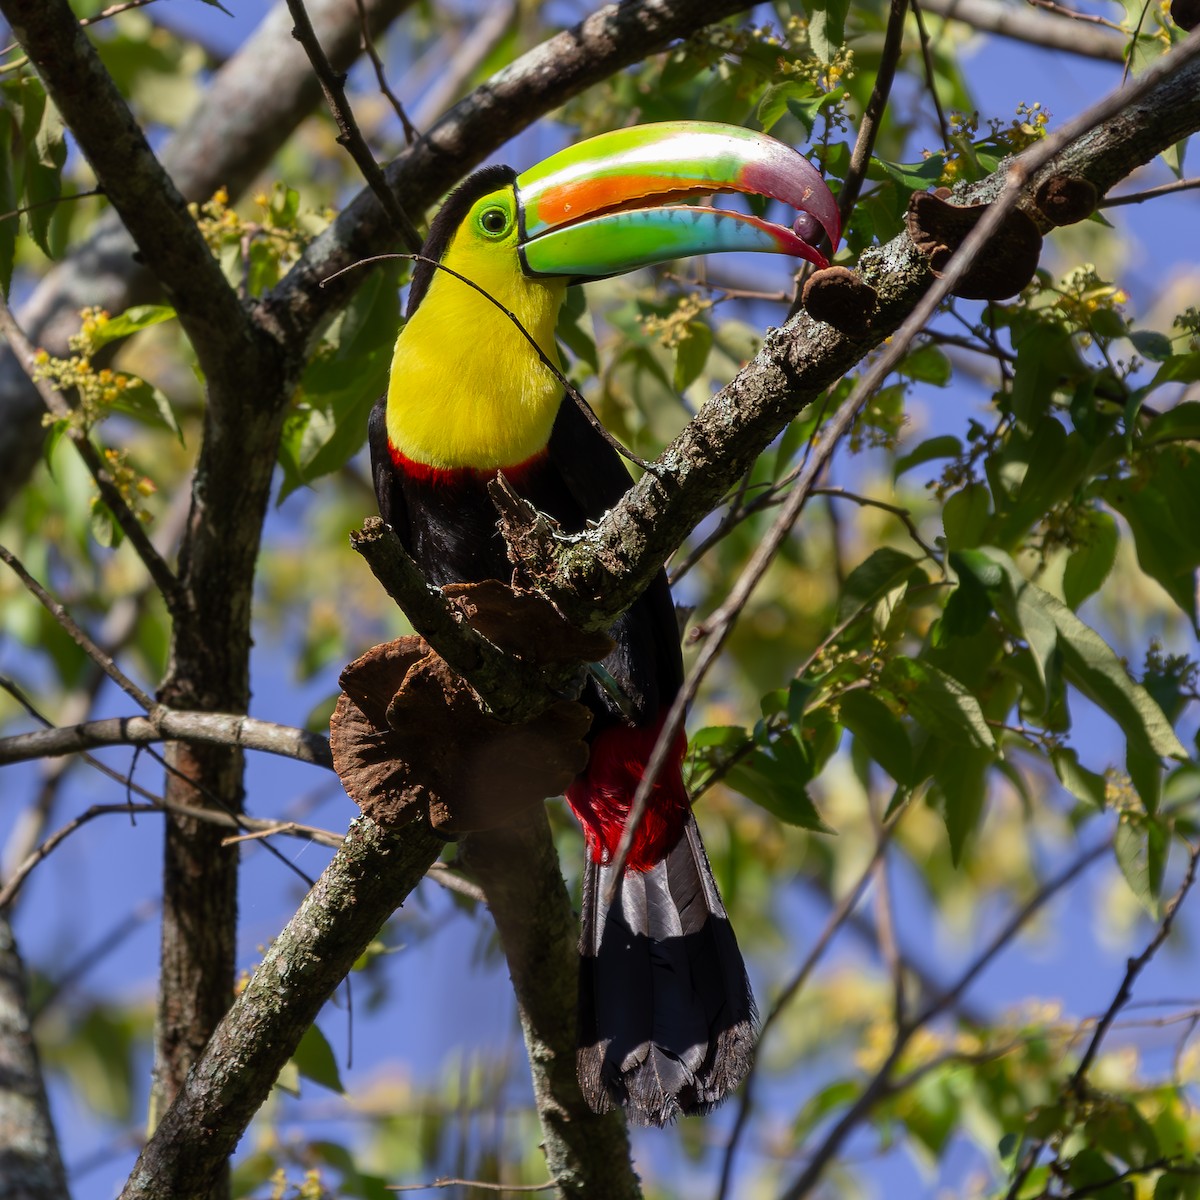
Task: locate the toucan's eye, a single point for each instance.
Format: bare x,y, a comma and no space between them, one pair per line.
494,221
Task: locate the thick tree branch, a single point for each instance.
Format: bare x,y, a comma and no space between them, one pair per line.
595,575
369,877
145,196
30,1165
1024,24
588,1154
254,103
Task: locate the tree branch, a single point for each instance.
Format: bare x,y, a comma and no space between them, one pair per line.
30,1164
254,103
368,878
349,136
138,187
1023,25
225,729
617,559
587,1153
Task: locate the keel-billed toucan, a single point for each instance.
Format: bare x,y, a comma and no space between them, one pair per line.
666,1014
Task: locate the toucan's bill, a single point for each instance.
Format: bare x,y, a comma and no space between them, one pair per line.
614,202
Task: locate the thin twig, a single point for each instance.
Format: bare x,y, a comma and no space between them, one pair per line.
76,634
868,129
1163,189
349,135
86,21
1077,1083
28,208
1061,10
930,73
877,1087
17,878
164,578
480,1184
368,43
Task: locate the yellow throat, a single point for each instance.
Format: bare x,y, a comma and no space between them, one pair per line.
466,388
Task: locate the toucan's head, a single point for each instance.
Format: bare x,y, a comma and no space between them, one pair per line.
467,389
615,202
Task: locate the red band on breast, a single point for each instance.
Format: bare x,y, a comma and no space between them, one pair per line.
457,476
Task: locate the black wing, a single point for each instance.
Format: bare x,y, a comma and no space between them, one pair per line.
388,491
648,662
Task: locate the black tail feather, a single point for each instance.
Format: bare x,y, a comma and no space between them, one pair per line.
666,1017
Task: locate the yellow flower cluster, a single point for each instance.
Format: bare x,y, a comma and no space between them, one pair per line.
673,328
96,390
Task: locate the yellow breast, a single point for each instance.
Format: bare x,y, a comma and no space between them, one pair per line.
467,389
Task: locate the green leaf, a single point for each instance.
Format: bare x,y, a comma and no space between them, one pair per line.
691,354
8,202
910,177
965,516
939,703
45,154
774,101
1141,845
969,604
880,572
131,321
961,780
340,384
1151,344
1178,424
806,110
879,731
314,1059
826,26
927,364
944,446
1087,662
572,334
774,778
1083,784
1179,368
149,405
1046,357
1162,506
1089,564
1089,1171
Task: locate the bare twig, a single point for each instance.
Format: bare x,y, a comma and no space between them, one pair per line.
877,1087
836,919
477,1184
1071,14
868,128
28,208
17,878
368,42
76,634
930,73
349,135
1163,189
